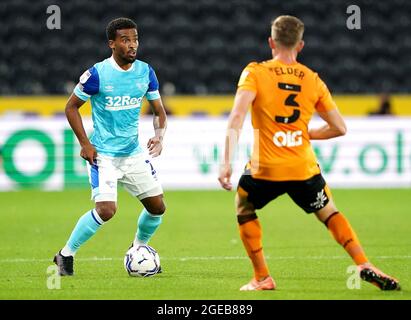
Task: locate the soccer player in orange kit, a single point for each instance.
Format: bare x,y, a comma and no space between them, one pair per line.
284,95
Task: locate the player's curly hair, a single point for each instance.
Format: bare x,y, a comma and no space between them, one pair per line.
119,24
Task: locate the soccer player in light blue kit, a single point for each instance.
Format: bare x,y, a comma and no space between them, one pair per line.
116,88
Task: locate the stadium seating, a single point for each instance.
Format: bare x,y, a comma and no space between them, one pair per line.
201,46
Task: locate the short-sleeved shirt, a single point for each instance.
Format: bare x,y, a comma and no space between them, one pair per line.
116,97
287,95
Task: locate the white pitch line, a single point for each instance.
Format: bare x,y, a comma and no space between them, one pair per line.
22,260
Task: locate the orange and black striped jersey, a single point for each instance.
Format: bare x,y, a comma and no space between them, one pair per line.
287,96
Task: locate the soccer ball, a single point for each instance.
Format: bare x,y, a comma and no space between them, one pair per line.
142,261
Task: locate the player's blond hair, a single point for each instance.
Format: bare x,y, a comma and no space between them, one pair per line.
287,31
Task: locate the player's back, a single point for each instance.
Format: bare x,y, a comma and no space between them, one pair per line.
287,96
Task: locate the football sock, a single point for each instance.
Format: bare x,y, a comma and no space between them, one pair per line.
343,233
85,228
251,235
146,226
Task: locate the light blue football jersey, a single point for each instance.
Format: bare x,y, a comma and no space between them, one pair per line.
116,96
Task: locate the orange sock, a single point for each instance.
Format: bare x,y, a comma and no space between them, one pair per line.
251,234
343,233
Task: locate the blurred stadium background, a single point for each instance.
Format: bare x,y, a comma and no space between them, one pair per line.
198,49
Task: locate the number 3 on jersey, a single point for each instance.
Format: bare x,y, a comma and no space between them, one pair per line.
289,102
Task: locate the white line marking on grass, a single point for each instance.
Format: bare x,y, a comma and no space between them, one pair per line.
205,258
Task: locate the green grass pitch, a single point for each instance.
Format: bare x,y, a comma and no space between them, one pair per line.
201,253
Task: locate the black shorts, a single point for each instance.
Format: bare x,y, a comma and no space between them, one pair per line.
311,195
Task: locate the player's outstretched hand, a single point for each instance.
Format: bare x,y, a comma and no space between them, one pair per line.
89,153
155,146
225,176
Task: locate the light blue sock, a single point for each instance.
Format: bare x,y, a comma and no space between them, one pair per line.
146,226
85,228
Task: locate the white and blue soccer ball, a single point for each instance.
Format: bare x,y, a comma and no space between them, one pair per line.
142,261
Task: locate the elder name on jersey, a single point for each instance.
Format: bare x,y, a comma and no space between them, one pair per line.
279,71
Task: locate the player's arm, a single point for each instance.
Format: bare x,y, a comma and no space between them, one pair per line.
242,101
155,144
328,111
87,86
334,127
88,152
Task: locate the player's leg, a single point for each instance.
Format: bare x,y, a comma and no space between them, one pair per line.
344,234
140,180
150,218
87,226
251,236
105,196
313,195
341,230
251,232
